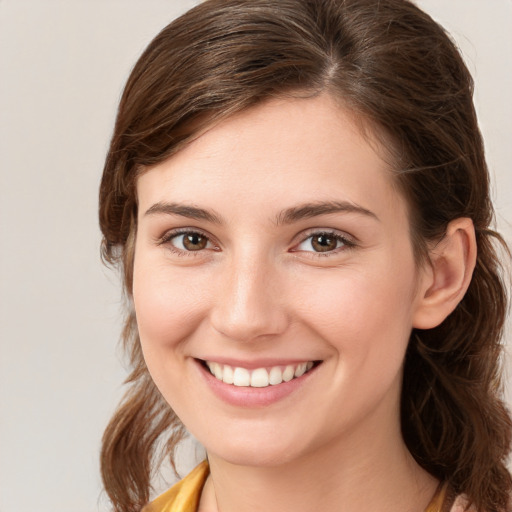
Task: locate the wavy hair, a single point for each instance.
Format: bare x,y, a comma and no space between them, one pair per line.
399,72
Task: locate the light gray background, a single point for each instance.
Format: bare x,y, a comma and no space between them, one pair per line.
62,67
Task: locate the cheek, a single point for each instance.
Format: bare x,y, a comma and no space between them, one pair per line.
168,307
367,313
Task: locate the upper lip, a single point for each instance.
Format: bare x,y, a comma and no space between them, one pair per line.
256,363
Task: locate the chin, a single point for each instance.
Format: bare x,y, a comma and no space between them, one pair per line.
257,451
253,458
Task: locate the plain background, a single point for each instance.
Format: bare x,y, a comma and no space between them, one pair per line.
62,67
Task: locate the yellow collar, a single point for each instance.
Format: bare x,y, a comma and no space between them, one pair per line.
184,496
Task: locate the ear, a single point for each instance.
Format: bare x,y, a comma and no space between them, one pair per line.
446,278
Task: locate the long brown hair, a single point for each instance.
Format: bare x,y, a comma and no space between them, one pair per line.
393,66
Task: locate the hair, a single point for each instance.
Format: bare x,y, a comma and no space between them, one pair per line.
396,69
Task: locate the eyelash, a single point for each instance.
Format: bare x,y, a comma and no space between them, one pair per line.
170,235
348,242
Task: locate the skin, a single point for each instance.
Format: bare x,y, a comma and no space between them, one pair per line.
258,290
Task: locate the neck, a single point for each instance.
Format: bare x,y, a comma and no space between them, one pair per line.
362,471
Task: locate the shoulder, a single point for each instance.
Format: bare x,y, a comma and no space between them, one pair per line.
461,505
183,496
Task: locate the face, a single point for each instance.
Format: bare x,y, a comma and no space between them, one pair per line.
274,283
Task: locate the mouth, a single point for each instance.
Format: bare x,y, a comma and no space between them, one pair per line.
258,377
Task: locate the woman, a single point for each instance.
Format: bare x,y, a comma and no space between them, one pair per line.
298,197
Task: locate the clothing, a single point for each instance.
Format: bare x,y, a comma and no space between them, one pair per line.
184,496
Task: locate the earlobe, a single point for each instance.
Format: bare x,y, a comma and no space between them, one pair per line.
452,261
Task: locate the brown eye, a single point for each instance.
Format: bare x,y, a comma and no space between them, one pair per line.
324,243
188,241
194,241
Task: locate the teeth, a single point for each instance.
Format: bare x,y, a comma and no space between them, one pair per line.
217,371
300,370
241,377
228,375
275,376
260,377
289,373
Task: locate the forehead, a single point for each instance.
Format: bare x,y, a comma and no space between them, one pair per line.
282,151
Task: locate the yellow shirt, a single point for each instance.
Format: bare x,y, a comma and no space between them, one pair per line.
184,496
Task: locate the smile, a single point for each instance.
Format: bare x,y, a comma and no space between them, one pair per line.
259,377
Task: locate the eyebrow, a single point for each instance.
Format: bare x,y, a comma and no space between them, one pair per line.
191,212
288,216
310,210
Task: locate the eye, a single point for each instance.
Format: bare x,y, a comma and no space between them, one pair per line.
324,242
188,241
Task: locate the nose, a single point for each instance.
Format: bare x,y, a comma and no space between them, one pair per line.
250,300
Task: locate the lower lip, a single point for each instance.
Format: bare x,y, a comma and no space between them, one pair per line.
246,396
